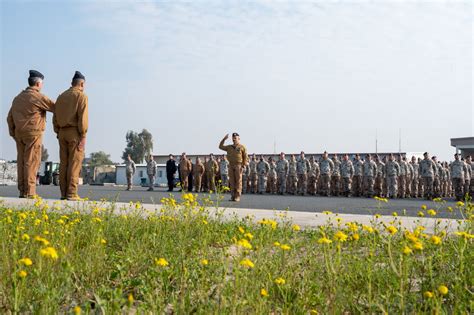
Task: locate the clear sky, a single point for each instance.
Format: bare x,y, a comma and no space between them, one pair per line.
309,76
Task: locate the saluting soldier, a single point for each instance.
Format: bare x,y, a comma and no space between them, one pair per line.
237,156
71,122
26,123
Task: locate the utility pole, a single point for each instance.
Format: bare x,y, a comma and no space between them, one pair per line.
376,141
400,140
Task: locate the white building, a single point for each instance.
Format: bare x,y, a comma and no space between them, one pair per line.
140,177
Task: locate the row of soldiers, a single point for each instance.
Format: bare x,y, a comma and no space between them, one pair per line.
389,176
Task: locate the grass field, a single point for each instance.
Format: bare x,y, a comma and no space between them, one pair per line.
181,260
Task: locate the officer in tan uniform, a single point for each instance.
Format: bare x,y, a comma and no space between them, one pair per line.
70,122
26,123
185,168
198,171
237,156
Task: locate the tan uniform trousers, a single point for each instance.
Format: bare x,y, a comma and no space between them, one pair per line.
197,182
235,180
184,180
357,186
70,161
28,161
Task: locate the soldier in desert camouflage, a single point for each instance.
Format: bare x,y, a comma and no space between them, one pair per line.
292,175
272,177
415,179
253,178
282,172
313,176
357,179
347,172
262,170
458,173
302,169
428,171
379,177
336,176
326,167
392,171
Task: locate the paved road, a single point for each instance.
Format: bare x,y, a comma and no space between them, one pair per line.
276,202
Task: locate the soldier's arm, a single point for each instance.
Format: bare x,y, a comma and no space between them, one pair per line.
11,124
134,167
46,104
83,116
245,157
222,146
55,123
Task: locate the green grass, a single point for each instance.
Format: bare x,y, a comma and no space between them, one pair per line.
111,262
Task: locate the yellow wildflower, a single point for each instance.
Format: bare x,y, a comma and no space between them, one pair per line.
248,235
460,204
340,236
25,261
355,237
22,274
280,281
418,245
244,243
428,294
435,240
277,244
130,299
263,292
324,240
204,262
394,214
424,207
368,228
431,212
285,247
241,230
296,227
247,263
327,212
49,252
77,310
407,250
161,262
443,290
25,237
103,242
391,229
421,214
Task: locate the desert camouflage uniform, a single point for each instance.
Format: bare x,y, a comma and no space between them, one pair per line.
370,170
379,178
443,177
262,170
428,170
282,172
458,173
409,180
326,167
272,178
467,179
245,179
392,170
224,171
336,178
211,169
357,179
253,176
347,172
415,180
302,169
402,178
313,177
292,177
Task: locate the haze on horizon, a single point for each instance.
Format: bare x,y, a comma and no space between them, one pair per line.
309,76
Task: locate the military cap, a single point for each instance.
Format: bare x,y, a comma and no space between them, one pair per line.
36,74
235,134
78,76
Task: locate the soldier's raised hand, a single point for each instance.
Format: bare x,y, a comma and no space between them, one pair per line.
226,137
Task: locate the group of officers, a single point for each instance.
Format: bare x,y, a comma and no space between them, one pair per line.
27,122
390,176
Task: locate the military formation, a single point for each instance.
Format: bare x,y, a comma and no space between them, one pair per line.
388,176
27,122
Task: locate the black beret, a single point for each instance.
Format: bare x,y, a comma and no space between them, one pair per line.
36,74
235,134
78,75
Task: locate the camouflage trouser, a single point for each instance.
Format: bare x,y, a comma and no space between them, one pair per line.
292,182
271,185
428,187
325,184
414,187
369,186
312,184
471,187
281,183
262,182
253,182
302,181
378,186
436,187
467,184
402,186
224,180
357,186
211,182
245,184
408,186
197,182
444,188
458,184
392,186
421,187
384,188
335,185
346,186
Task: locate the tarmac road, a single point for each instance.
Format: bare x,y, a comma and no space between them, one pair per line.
273,202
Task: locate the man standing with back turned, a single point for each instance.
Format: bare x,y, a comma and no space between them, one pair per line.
70,122
237,156
26,122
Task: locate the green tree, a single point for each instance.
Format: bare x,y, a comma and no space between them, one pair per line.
44,154
99,158
139,145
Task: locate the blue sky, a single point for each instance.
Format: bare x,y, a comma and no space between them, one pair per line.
310,76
